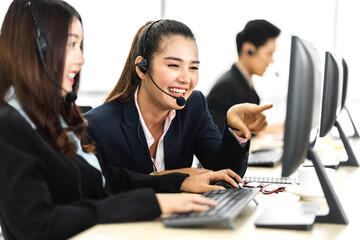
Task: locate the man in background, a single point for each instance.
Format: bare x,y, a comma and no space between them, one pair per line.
256,44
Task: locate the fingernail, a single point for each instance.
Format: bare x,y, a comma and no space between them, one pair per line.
205,207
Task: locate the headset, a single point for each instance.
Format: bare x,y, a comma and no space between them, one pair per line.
41,45
180,101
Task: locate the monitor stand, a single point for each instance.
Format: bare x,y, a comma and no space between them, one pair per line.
336,213
297,216
356,133
301,216
352,160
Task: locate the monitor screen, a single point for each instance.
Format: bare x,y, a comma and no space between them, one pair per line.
303,104
332,92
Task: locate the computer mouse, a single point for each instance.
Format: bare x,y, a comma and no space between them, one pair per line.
224,184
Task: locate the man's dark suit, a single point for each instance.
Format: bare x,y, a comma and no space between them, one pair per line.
120,141
231,88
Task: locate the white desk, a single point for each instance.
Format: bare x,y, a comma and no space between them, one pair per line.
347,180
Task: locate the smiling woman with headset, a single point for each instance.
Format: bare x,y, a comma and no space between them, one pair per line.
52,185
154,122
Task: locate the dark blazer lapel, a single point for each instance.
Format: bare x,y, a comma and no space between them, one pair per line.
136,138
240,78
236,72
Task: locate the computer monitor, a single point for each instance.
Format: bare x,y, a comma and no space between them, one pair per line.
301,130
333,101
303,104
343,99
332,91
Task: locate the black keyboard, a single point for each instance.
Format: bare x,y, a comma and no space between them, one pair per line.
265,158
230,202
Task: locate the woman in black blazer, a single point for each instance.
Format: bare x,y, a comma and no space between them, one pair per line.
154,117
52,186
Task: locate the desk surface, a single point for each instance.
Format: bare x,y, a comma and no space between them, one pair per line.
345,185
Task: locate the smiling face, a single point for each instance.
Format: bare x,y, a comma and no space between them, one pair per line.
74,56
174,69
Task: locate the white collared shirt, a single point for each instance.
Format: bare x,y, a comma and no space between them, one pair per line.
159,160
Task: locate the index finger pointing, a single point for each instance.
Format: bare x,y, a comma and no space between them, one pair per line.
263,108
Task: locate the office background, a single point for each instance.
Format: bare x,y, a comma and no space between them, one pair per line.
109,26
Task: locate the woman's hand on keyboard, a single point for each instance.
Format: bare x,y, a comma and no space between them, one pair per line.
202,183
191,171
184,203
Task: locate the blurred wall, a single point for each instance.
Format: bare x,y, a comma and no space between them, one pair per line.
109,26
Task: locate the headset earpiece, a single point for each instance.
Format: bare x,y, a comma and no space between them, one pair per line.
142,65
250,52
41,45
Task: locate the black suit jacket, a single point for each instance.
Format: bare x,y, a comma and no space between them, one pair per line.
230,89
116,130
47,195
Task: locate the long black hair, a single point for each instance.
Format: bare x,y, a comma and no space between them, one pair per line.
21,68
